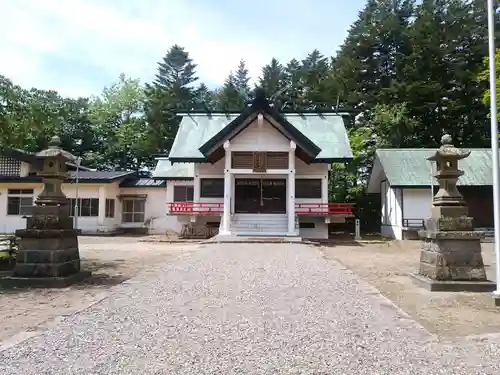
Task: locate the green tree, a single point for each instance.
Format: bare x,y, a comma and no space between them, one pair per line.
235,92
119,122
172,91
272,80
241,79
484,77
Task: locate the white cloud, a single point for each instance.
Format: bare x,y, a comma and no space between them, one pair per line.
113,37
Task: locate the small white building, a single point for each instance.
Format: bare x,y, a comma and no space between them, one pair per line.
403,178
259,172
107,201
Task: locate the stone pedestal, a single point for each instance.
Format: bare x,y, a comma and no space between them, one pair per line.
48,255
451,258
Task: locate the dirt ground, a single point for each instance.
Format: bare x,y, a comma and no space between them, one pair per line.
112,260
449,315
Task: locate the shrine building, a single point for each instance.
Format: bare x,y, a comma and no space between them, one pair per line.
261,172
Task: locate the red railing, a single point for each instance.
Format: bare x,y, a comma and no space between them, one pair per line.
195,208
324,208
204,208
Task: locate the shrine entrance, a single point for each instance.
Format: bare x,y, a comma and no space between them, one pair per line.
252,195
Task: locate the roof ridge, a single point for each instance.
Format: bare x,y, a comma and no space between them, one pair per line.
429,148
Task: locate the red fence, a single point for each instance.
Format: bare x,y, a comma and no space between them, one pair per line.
204,208
324,208
196,208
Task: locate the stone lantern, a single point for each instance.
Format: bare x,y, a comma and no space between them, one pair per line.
451,258
448,201
48,253
53,172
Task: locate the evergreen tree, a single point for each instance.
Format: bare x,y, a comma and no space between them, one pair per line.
229,97
295,90
204,98
273,81
176,73
316,81
241,79
171,91
369,63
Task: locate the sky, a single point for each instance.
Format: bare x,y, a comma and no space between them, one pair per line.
77,47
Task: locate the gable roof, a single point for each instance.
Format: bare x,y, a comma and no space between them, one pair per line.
410,168
166,170
261,105
323,134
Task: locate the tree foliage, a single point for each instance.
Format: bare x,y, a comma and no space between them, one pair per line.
413,70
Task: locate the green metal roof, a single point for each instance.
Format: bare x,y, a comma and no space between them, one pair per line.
327,131
410,167
179,171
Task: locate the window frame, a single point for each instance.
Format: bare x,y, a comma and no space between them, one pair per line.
92,204
215,193
134,213
110,209
316,192
23,209
185,197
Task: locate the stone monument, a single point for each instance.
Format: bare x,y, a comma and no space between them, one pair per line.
48,253
451,258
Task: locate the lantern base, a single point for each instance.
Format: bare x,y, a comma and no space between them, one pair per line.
452,286
43,282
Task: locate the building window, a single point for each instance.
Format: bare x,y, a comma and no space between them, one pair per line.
87,207
212,188
308,188
19,201
110,208
133,210
183,193
277,160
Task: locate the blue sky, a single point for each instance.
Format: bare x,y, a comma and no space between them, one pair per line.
80,46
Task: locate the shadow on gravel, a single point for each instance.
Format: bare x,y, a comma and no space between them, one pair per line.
95,265
101,280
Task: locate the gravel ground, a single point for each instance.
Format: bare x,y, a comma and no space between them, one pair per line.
112,260
245,309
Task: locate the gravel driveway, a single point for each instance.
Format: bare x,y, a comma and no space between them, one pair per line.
244,309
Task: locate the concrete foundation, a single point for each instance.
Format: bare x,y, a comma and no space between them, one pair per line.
453,286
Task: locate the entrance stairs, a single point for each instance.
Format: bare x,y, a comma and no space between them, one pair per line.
259,224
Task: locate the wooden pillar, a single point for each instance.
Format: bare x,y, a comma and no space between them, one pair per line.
226,229
291,190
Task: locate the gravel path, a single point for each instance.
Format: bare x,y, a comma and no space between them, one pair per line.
244,309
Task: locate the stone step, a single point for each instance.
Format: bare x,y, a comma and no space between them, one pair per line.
265,224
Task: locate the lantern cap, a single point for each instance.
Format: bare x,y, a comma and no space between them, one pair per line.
448,150
55,151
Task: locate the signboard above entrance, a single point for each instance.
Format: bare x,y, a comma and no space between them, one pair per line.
259,162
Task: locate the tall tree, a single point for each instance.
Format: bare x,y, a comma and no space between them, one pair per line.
369,63
448,49
229,98
171,91
241,79
235,93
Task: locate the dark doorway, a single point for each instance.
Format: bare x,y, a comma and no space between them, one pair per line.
260,196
